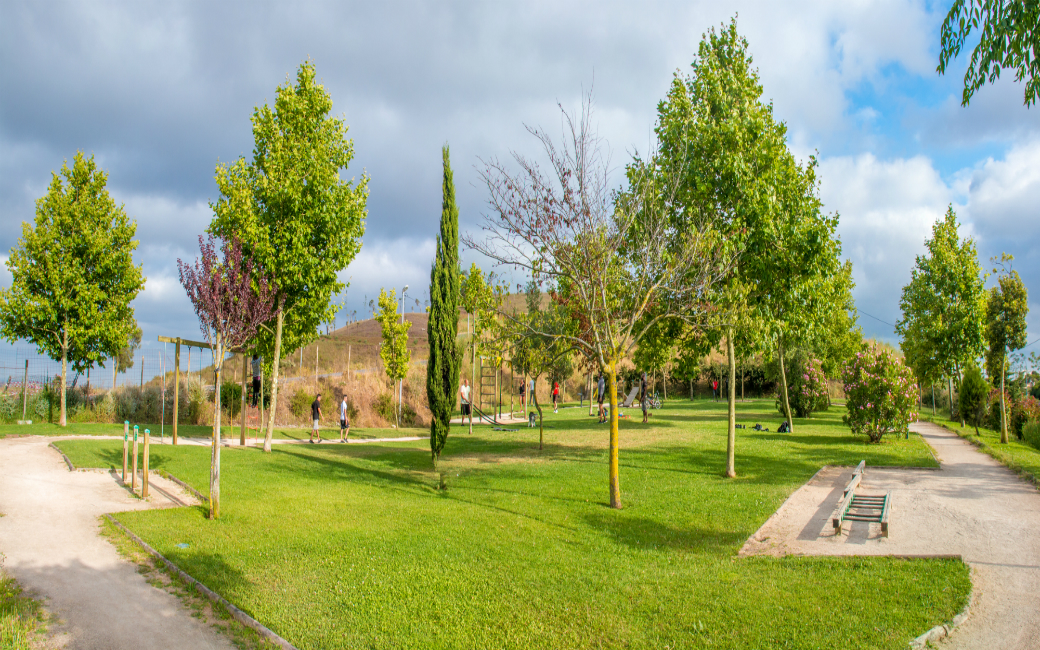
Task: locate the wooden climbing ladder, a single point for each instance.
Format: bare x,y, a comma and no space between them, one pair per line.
861,507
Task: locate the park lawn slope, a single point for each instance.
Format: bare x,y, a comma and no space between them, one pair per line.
354,546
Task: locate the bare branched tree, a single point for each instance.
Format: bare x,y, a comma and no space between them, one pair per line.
617,259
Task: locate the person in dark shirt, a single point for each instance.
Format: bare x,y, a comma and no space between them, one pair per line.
644,398
316,416
601,393
256,379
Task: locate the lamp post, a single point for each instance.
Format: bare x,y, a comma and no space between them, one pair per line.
400,382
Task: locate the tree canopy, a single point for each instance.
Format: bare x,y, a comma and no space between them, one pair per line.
73,274
1006,308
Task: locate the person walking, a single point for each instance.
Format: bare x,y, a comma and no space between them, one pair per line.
601,392
316,416
556,397
344,420
256,378
464,403
715,389
644,399
523,395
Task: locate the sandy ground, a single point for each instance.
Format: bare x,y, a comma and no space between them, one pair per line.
50,537
972,506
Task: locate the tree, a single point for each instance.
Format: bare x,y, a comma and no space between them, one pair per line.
123,360
481,295
973,392
608,257
73,274
1010,38
1006,309
393,350
445,361
232,296
941,330
294,215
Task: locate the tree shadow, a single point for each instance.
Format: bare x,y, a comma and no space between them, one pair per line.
646,534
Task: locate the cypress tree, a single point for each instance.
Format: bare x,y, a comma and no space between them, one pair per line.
442,369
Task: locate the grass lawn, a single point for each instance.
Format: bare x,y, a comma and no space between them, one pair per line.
1016,454
354,546
22,619
194,431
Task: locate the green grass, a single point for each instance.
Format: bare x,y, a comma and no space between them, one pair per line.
193,431
354,546
1017,455
22,619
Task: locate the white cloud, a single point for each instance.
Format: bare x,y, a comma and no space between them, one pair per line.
1004,195
389,264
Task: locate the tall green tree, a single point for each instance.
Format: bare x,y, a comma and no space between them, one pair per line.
293,213
73,274
1006,308
393,349
445,361
1009,37
943,306
481,296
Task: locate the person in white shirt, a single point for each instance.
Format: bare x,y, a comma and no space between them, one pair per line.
464,402
344,420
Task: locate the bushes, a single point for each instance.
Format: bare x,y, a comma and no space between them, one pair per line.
1031,433
231,397
880,394
973,398
386,406
806,389
300,402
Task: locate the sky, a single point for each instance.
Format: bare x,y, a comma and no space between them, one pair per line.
160,92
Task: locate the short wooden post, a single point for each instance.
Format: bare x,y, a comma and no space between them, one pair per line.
126,436
176,386
133,479
245,373
144,474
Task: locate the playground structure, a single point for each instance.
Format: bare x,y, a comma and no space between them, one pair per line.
861,507
133,470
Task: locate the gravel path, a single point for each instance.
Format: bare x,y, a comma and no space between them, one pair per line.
972,506
50,537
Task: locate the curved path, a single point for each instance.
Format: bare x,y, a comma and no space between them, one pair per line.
50,536
972,506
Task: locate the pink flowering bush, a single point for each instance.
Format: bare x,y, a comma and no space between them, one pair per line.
806,389
880,394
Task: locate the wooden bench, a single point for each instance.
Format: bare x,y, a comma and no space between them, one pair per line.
861,507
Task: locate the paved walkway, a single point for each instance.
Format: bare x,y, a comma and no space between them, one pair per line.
50,537
973,506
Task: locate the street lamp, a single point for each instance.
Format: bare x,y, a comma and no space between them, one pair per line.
400,382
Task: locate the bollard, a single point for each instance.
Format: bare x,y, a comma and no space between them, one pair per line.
144,476
133,484
126,436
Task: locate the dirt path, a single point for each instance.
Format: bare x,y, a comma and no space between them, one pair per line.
972,506
50,537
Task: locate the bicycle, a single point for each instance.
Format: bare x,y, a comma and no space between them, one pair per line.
655,401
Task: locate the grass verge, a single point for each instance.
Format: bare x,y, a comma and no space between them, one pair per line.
23,621
194,431
354,546
1018,455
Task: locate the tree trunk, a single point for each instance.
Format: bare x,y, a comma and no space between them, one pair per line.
612,472
1004,408
214,466
591,393
933,399
64,373
473,379
731,436
950,390
274,380
783,384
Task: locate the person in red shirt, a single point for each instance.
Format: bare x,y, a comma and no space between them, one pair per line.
715,389
556,396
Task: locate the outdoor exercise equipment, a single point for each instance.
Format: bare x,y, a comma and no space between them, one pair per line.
126,436
133,481
144,474
861,507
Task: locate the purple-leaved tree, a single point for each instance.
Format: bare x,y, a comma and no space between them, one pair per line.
233,298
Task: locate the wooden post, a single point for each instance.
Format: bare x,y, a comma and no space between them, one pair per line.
133,480
176,387
25,390
126,437
245,373
144,474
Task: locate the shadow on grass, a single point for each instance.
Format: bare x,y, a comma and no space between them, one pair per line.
645,533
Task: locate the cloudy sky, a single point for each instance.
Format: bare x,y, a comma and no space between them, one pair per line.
159,92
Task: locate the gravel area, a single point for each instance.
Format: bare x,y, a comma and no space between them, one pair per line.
972,506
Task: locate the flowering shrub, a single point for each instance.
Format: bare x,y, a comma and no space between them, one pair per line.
880,394
1025,409
806,389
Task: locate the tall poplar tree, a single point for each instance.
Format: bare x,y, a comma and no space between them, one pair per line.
1006,308
73,274
444,364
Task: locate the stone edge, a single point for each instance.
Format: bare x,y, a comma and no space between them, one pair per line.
237,613
72,468
198,495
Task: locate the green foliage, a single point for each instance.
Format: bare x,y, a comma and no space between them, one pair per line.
1031,433
73,274
943,306
973,400
300,402
880,394
1023,410
231,397
386,406
393,350
444,363
23,620
1005,332
124,358
1009,38
808,387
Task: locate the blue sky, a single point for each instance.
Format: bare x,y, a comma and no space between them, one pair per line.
160,91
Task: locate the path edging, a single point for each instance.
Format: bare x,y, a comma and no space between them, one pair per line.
237,613
198,495
72,468
940,632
